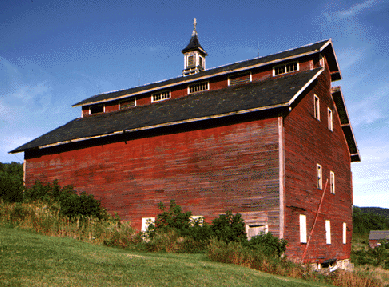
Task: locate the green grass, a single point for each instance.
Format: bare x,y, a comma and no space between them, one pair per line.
28,259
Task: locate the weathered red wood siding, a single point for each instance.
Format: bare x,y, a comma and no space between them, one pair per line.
309,142
206,169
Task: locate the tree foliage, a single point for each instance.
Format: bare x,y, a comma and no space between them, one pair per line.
364,222
11,182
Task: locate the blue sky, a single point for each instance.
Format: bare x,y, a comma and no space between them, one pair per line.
54,54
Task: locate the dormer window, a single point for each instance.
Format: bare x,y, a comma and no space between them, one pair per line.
238,79
128,103
160,96
198,87
96,109
285,68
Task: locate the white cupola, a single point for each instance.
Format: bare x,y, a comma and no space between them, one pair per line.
194,55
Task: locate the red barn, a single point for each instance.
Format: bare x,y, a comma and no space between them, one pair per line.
269,138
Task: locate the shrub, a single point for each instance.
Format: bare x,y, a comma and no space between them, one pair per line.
268,244
228,227
11,182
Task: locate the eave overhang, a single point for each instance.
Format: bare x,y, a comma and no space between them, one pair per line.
345,124
275,95
326,49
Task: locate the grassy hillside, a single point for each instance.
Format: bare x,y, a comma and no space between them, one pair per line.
29,259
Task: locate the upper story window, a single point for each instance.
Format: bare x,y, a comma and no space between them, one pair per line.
96,109
239,79
316,107
198,87
330,120
303,228
160,96
332,182
285,68
319,177
128,103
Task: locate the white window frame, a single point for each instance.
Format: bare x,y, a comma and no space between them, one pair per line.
285,68
316,107
303,228
332,182
163,96
146,221
120,103
198,218
344,233
328,231
319,175
330,120
199,83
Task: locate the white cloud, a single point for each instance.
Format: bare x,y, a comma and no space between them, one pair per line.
356,9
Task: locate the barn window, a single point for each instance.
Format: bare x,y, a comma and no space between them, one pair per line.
201,61
160,96
146,221
303,228
96,109
285,68
198,87
344,232
319,177
316,107
332,182
330,120
239,79
128,103
328,231
255,230
196,219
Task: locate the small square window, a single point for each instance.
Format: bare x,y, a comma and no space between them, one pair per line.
319,177
146,221
316,107
330,120
332,182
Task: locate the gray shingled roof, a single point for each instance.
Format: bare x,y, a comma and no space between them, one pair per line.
293,53
379,234
274,92
193,45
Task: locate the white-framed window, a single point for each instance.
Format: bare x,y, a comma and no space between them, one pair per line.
285,68
96,109
196,218
127,103
146,221
344,233
201,62
319,176
328,231
160,96
316,107
332,182
303,228
256,229
330,120
198,87
239,79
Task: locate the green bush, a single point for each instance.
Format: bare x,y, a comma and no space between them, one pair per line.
228,227
268,244
11,182
70,203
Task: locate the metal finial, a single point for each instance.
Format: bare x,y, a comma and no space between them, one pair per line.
194,27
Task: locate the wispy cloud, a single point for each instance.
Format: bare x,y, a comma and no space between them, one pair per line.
356,9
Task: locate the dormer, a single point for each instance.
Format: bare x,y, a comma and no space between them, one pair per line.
194,55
